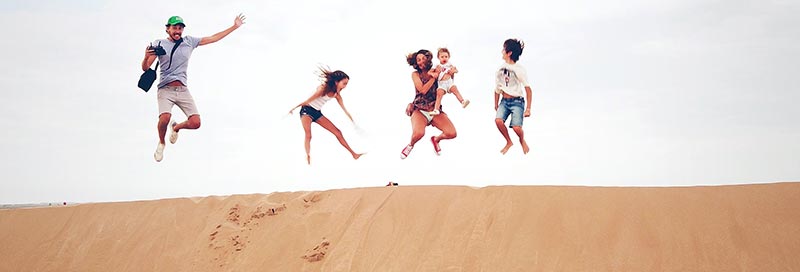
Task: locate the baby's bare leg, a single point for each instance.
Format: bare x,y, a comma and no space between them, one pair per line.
454,90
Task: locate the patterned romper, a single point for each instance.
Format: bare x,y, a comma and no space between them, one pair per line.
426,101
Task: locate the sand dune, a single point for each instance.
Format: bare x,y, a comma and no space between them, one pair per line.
420,228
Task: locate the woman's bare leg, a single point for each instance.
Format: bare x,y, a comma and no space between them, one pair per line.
327,124
306,120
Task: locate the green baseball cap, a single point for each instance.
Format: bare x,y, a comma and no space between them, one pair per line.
175,20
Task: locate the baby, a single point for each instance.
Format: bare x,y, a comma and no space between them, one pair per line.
446,71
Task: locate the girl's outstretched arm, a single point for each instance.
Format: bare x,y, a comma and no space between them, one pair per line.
341,104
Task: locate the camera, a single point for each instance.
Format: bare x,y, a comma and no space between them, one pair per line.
158,49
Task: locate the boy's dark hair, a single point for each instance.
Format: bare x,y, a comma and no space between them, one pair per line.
442,50
515,47
412,59
331,78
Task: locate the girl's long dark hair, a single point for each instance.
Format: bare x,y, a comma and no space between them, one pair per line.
329,79
412,60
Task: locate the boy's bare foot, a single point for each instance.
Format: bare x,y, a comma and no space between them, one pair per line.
308,158
525,148
505,149
356,156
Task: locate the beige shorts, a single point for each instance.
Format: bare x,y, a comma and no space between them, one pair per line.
169,96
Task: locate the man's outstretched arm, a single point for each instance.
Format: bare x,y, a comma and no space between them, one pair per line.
239,21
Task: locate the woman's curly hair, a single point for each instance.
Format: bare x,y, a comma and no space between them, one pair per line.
412,60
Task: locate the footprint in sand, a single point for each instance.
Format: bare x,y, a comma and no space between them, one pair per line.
243,224
311,199
213,236
317,253
275,210
272,211
238,245
233,214
260,212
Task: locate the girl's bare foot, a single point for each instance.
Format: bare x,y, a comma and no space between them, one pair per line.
505,149
356,156
308,158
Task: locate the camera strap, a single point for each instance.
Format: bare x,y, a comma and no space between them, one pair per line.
177,43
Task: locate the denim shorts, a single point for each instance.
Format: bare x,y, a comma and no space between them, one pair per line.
311,112
511,106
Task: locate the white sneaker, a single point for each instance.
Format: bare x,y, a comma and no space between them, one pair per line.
465,103
173,136
435,112
159,155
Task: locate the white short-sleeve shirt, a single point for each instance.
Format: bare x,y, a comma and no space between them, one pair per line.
445,69
512,79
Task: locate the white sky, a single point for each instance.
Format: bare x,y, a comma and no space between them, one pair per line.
626,93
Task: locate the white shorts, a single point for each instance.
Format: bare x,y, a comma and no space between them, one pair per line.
169,96
428,116
446,84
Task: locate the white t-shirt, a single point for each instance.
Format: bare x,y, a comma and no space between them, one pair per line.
512,79
445,68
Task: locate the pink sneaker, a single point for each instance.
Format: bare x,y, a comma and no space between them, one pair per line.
406,151
436,147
